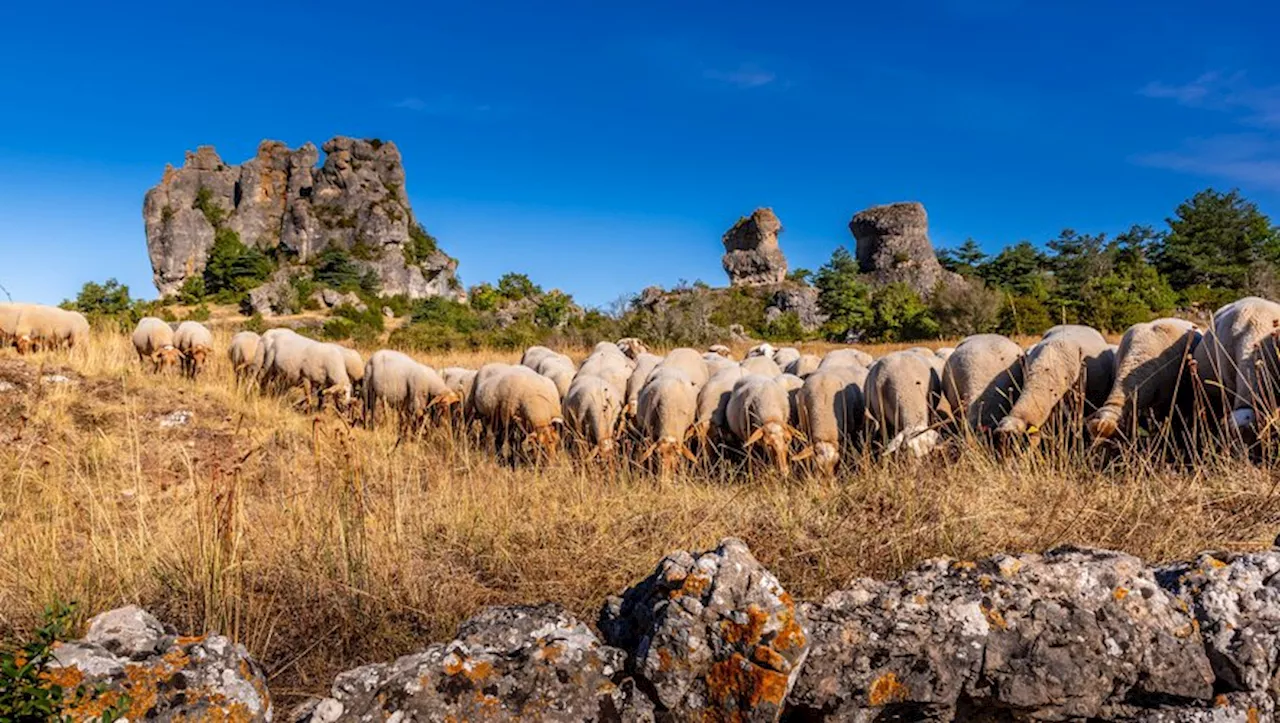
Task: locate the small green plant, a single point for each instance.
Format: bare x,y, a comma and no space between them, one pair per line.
29,693
213,213
514,287
199,313
256,324
233,268
420,247
192,291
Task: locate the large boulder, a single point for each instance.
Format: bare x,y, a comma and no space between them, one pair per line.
799,299
280,199
506,663
752,255
712,634
1071,634
893,246
144,671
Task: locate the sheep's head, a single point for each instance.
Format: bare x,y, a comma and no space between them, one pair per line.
1015,431
1104,423
632,347
544,440
24,344
669,451
720,349
198,355
775,437
825,456
166,357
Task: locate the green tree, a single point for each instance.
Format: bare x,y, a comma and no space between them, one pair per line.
514,287
192,291
213,213
484,297
553,309
421,245
1219,244
1021,269
898,314
335,268
965,259
232,267
110,298
842,295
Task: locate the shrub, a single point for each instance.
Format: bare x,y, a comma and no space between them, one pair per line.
199,313
29,694
965,308
192,291
786,327
233,268
348,322
256,323
420,247
515,287
106,299
898,314
1023,314
553,309
843,296
213,213
484,297
335,268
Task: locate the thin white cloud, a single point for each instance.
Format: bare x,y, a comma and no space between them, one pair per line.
745,76
1247,158
444,106
1257,105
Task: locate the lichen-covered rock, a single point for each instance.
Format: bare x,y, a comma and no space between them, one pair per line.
893,246
506,663
713,634
356,201
752,255
1236,600
146,672
1069,634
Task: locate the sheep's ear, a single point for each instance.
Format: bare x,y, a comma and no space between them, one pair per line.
649,452
806,453
796,433
755,437
688,453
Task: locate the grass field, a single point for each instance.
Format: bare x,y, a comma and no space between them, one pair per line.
321,547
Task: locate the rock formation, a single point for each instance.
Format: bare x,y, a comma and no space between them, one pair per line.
799,299
752,255
280,201
893,246
1071,634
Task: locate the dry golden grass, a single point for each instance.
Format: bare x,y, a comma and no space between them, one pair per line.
322,547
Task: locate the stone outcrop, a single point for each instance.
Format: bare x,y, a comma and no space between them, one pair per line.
1071,634
893,246
146,672
711,632
752,255
281,201
799,299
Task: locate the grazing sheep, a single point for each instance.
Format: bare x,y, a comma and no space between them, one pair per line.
243,353
760,365
665,411
518,405
609,366
784,356
720,350
1152,372
196,344
846,357
717,363
324,369
710,424
395,380
902,392
760,412
36,326
1237,364
944,352
460,381
9,313
792,383
592,410
1070,362
263,358
981,378
559,369
355,367
804,365
535,354
645,364
831,410
687,361
632,347
153,341
763,349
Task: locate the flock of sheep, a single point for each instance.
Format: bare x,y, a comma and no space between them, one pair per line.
776,405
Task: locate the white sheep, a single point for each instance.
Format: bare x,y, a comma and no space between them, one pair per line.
609,363
460,381
720,350
665,412
759,412
243,353
518,405
9,313
804,365
785,356
760,365
901,393
688,361
710,424
717,363
395,380
763,349
153,341
980,380
592,410
645,364
535,354
846,357
1070,362
47,327
263,358
559,369
632,347
1153,370
195,342
831,412
1236,362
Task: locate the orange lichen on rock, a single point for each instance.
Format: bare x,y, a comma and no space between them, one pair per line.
735,686
747,633
473,671
791,635
692,585
1120,593
68,678
1251,715
770,658
887,689
994,617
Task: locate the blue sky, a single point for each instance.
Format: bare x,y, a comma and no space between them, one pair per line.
604,147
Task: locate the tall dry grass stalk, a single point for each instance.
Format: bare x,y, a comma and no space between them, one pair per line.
321,546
